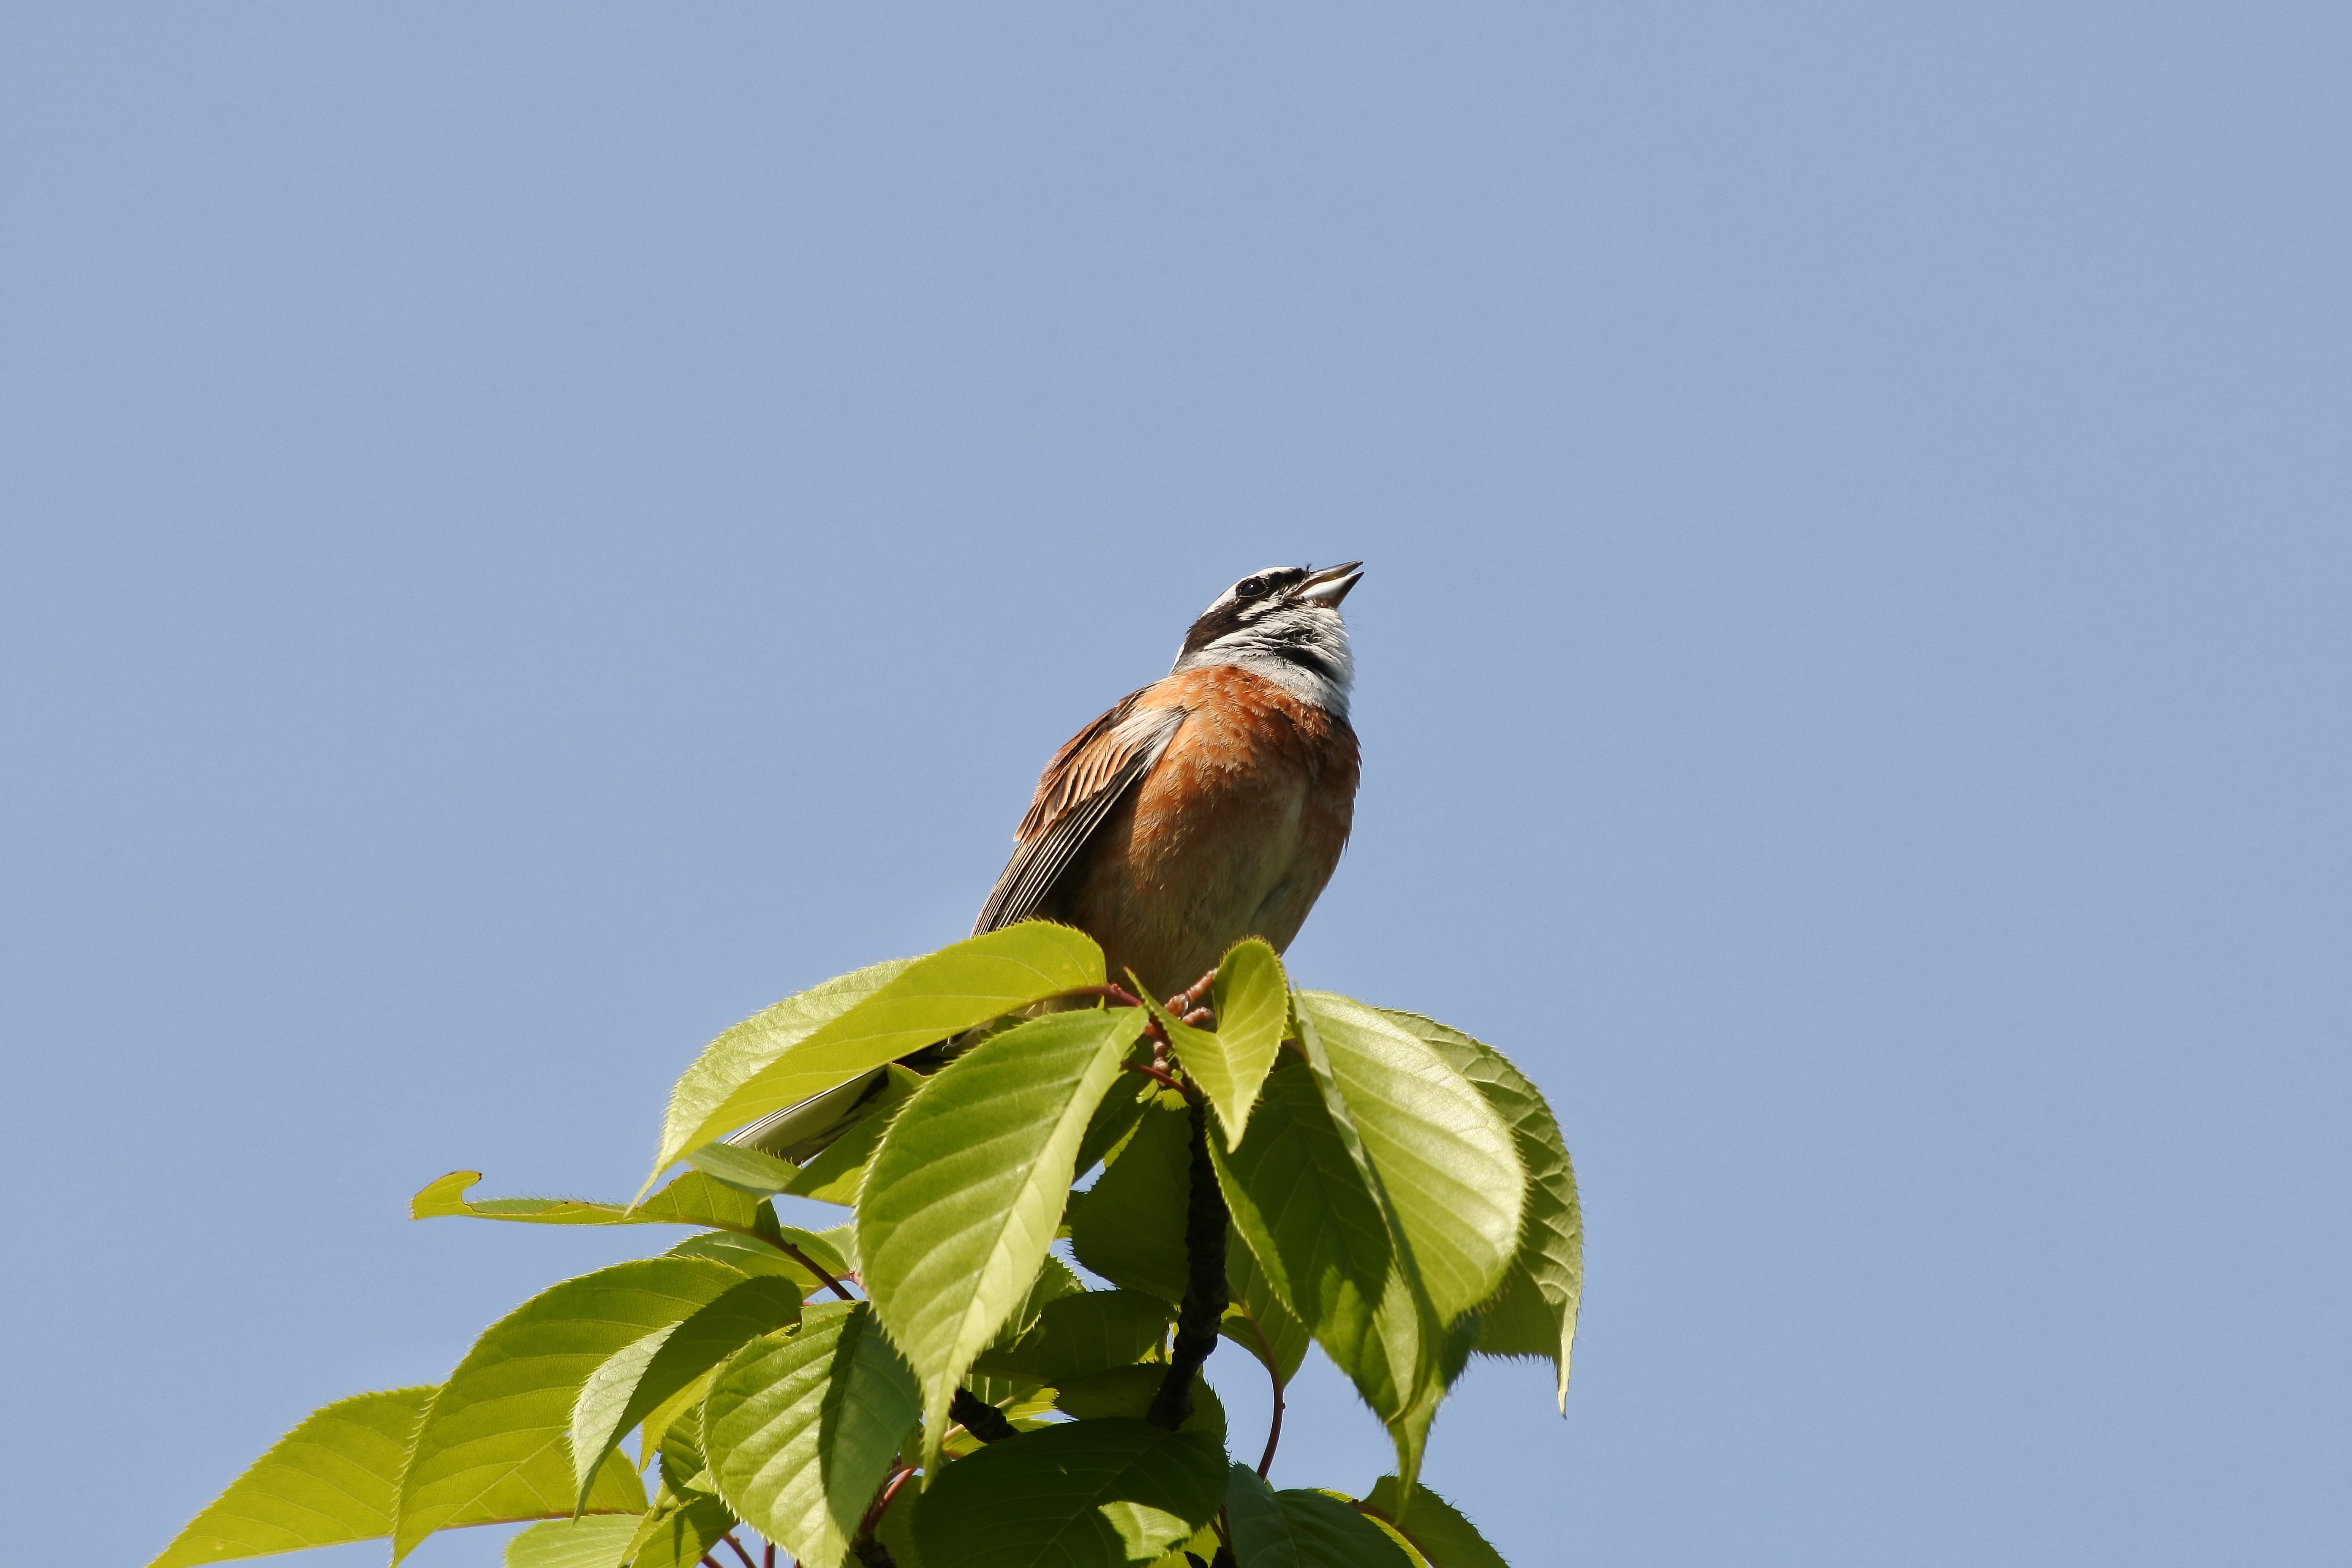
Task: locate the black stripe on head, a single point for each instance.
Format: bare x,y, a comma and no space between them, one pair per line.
1242,603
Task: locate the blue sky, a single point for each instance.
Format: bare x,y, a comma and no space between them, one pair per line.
534,530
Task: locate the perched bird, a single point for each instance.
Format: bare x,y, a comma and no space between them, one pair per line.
1209,807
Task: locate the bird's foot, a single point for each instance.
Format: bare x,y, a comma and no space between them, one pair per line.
1185,1004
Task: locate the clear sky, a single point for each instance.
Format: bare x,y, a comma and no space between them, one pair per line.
533,531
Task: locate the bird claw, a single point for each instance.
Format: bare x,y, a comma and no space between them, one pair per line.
1185,1003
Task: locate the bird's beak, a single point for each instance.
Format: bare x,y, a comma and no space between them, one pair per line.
1330,586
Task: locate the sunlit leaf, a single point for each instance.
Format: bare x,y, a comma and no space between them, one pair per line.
833,1175
1446,1160
1300,1529
641,1377
1252,1002
825,1036
746,1252
678,1532
335,1478
493,1446
1303,1195
1534,1311
964,1195
1087,1493
686,1406
1077,1335
750,1171
738,1055
599,1541
692,1199
803,1428
1436,1529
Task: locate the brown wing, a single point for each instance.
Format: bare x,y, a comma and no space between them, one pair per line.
1086,779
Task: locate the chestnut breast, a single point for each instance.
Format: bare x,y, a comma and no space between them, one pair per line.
1231,833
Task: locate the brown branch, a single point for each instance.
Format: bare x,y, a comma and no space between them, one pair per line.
730,1538
811,1264
1206,1293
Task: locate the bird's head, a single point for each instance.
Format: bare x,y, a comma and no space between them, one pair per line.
1283,623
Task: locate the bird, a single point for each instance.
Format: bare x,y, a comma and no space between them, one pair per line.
1210,806
1205,808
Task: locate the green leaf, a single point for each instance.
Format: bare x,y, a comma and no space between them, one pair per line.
1446,1161
1081,1333
1255,1318
740,1053
686,1406
1053,1281
803,1429
1436,1529
1252,1002
1080,1495
827,1036
1302,1528
1303,1195
747,1170
833,1177
493,1444
335,1478
1129,1390
599,1541
897,1529
963,1198
818,1246
692,1199
748,1254
678,1532
1130,1228
1534,1311
840,1241
1113,1120
643,1375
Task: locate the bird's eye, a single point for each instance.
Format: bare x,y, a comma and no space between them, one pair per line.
1249,587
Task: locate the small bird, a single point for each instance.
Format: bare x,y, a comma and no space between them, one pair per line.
1212,804
1209,807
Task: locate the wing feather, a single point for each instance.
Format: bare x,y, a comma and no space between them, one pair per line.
1081,785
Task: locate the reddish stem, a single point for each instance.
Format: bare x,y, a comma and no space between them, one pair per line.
1117,993
873,1518
1273,1435
1159,1077
730,1538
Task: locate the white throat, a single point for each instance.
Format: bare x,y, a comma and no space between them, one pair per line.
1304,651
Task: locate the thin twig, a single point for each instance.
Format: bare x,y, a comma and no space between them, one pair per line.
1273,1433
872,1521
730,1538
1163,1079
1117,993
805,1261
